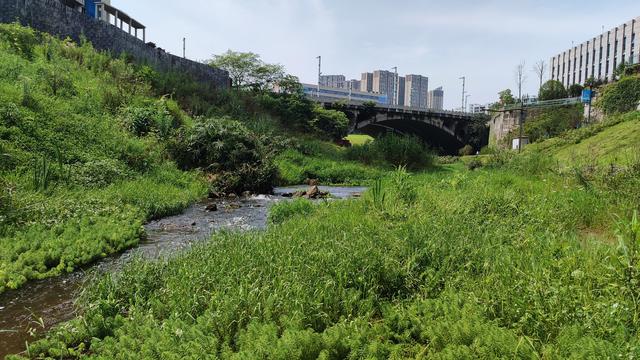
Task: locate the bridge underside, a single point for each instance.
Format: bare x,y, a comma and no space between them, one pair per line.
436,138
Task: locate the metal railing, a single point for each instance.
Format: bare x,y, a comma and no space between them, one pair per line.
396,108
543,104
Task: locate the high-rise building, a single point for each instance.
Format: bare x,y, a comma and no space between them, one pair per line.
385,83
366,82
436,99
416,91
477,108
599,56
353,85
401,90
333,81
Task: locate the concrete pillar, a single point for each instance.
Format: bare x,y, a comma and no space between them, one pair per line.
129,26
144,34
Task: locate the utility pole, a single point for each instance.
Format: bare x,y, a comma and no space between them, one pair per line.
464,83
522,114
319,73
395,85
184,47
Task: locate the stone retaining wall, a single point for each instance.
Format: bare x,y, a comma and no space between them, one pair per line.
53,17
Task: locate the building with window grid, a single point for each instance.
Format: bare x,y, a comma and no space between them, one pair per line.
599,56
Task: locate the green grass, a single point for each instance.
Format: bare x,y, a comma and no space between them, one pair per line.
614,141
357,140
447,265
75,184
294,168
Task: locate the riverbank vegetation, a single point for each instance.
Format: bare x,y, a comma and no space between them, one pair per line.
91,147
516,257
514,260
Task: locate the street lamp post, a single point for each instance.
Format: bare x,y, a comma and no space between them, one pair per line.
466,102
464,83
319,73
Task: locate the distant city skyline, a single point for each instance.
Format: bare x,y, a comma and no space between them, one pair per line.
483,41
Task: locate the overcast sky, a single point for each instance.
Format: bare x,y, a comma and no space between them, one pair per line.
444,40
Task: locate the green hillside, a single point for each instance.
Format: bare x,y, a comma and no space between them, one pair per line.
615,141
76,183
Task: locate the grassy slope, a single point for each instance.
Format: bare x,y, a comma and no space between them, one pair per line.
617,140
75,186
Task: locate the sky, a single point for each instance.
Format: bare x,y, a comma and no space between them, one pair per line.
444,40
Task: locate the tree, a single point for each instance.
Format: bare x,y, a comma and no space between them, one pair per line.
575,90
546,123
551,90
539,69
248,70
506,97
290,84
521,78
621,96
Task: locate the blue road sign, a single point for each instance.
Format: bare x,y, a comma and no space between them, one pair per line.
587,95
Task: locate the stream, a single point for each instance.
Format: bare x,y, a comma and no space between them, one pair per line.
26,313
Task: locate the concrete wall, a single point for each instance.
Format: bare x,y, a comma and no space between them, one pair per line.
53,17
500,125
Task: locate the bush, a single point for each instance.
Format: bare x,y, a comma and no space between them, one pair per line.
575,90
228,149
154,117
467,150
621,96
475,163
99,173
21,40
544,124
330,123
552,90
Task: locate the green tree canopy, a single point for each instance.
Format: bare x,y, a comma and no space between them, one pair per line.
551,90
575,90
547,123
248,70
290,84
506,97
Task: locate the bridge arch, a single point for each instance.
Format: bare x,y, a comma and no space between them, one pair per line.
436,137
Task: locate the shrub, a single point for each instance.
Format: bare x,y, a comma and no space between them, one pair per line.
474,164
152,118
551,90
21,40
57,81
467,150
227,148
621,96
544,124
575,90
330,123
99,173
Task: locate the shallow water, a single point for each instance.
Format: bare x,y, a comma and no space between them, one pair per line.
39,305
